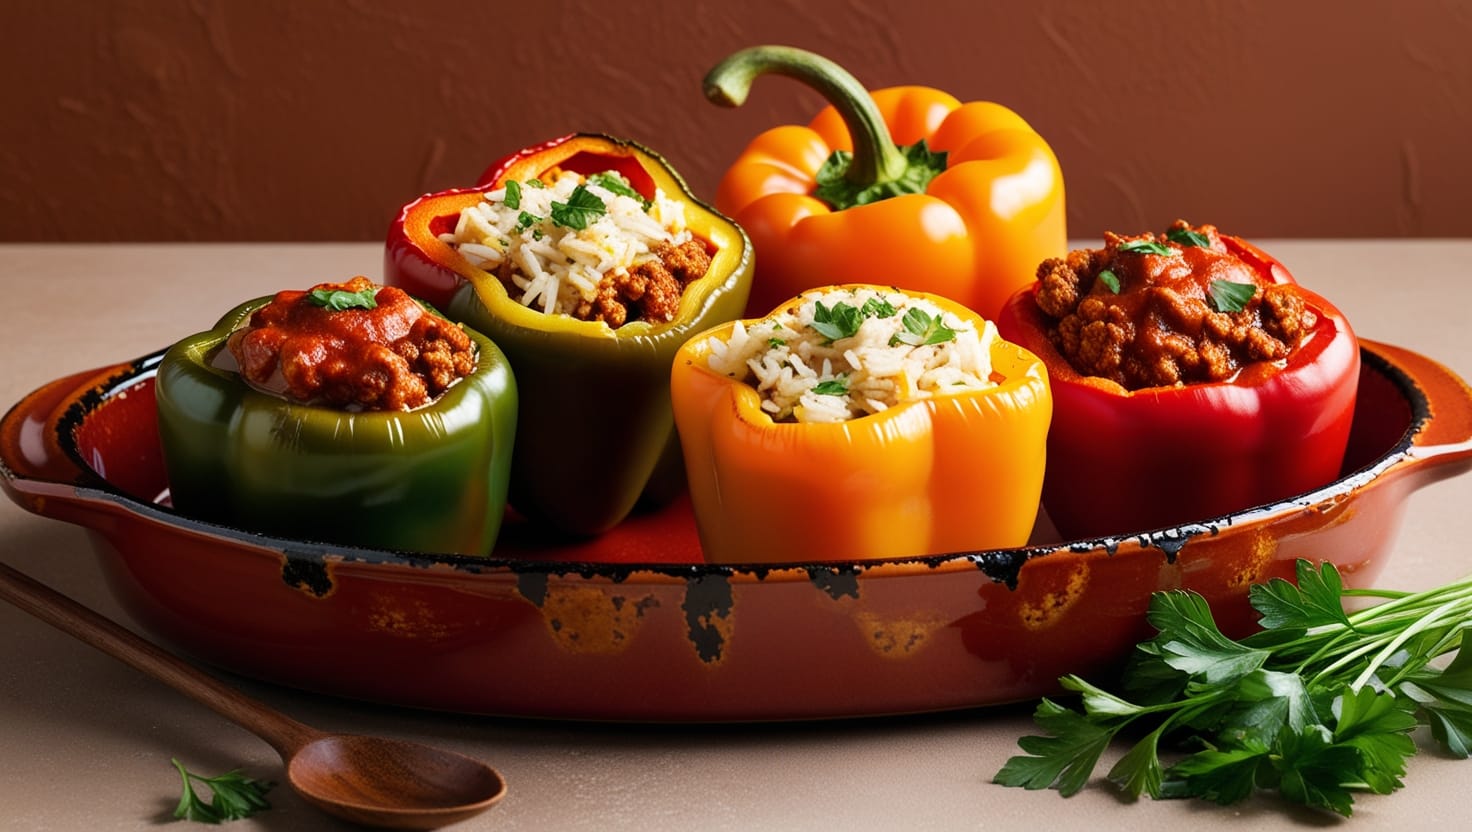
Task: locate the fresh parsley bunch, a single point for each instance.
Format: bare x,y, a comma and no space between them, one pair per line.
1318,705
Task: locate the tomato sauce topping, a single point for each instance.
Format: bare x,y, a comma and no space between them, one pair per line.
1149,311
354,346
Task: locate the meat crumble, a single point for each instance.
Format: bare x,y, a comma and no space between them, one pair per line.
393,356
649,291
1148,318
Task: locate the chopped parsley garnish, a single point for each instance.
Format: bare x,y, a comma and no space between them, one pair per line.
581,207
614,182
1187,237
839,321
513,194
1146,247
526,220
1230,296
1110,280
535,183
842,320
337,300
877,308
776,342
832,387
921,329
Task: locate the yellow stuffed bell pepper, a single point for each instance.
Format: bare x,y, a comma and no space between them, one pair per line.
860,422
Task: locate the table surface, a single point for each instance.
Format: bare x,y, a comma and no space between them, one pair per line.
85,742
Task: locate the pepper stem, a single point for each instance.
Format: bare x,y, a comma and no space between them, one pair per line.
876,159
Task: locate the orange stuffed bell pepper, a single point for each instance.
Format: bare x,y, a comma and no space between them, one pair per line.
860,422
965,206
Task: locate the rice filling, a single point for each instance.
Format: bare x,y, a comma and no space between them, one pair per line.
842,354
586,246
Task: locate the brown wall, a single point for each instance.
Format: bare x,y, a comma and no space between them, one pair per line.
310,120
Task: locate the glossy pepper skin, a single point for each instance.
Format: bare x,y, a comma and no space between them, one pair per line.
1123,461
596,427
974,234
432,479
944,474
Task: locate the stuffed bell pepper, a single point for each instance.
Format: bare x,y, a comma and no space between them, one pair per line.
1193,378
589,262
964,206
859,422
346,414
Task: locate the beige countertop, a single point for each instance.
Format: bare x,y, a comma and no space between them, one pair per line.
85,742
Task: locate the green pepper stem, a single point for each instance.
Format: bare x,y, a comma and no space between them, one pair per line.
875,160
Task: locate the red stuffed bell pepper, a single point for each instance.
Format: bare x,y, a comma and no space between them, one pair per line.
1192,378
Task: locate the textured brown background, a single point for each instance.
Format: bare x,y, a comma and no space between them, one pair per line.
309,120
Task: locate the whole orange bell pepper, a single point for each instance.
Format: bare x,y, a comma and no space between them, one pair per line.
950,473
965,207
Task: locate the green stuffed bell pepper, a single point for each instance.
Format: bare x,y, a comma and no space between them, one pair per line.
347,414
590,263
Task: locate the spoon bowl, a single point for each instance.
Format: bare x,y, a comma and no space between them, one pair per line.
388,782
373,781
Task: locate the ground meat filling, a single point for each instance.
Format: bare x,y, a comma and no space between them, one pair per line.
394,356
649,291
589,247
1162,326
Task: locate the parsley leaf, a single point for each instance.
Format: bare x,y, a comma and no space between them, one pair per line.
614,182
1110,280
1064,758
833,187
233,796
1146,247
513,194
1188,238
337,300
878,308
832,387
841,320
1230,296
581,207
922,328
526,220
1319,705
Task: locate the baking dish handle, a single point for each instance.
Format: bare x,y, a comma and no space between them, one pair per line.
34,468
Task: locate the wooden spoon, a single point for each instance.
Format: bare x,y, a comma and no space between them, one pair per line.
375,781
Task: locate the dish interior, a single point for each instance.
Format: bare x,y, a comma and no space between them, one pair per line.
113,433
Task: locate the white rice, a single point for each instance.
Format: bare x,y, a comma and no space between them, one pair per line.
788,361
554,267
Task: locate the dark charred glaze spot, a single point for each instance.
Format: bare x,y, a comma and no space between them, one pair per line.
837,581
533,586
1004,566
1171,541
306,573
707,599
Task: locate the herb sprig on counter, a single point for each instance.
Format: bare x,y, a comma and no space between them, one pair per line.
1317,706
233,796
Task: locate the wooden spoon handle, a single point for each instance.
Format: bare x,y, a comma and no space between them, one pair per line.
282,732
